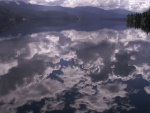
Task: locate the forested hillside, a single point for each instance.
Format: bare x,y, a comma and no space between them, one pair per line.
8,18
139,20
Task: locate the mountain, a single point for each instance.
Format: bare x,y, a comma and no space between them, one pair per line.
57,18
12,13
33,11
84,12
121,11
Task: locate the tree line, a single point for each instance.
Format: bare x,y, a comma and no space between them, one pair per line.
8,16
9,19
139,20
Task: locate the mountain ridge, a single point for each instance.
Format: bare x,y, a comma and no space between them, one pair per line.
80,11
91,18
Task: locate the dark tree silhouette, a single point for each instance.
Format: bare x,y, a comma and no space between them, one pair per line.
8,19
139,20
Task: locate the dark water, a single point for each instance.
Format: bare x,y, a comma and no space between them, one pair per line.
75,70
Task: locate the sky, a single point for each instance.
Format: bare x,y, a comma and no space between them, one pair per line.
133,5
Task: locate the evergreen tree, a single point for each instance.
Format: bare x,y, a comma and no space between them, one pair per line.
139,20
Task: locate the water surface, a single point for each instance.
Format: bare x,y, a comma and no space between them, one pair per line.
77,69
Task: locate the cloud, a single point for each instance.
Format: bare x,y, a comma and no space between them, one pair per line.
134,5
103,97
91,56
34,91
147,89
6,66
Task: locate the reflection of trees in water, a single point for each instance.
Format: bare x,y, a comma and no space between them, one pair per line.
139,20
9,19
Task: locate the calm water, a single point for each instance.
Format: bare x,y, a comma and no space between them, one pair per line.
75,70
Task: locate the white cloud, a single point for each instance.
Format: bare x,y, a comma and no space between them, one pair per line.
34,91
103,98
147,89
134,5
92,52
5,67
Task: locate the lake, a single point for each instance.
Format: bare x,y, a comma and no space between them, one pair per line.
79,68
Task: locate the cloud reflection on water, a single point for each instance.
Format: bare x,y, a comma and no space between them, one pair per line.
94,65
